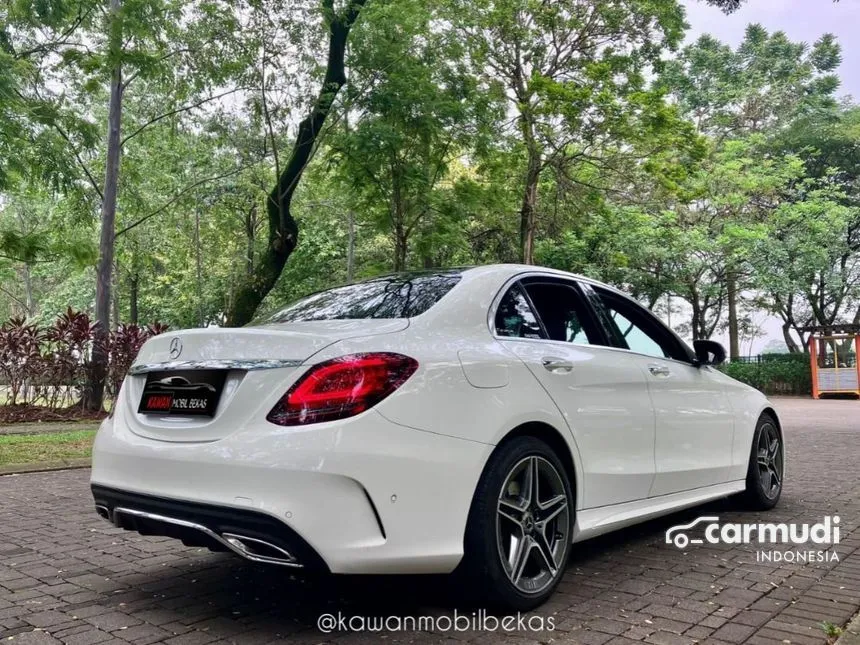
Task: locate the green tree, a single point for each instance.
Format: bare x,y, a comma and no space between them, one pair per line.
415,110
283,230
808,269
760,87
574,75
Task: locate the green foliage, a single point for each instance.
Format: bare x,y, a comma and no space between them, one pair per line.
830,630
762,85
774,373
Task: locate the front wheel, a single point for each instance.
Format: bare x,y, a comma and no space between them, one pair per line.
519,530
766,466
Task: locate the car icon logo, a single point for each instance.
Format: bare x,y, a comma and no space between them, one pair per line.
677,534
175,347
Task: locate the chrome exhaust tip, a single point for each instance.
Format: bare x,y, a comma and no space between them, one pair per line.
250,548
259,550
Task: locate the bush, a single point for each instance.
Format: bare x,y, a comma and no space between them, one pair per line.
20,359
774,373
66,358
49,366
123,345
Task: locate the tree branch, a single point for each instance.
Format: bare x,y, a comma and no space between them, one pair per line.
182,50
80,161
62,40
178,195
13,296
184,108
283,229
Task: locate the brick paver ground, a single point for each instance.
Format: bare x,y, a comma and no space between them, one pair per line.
67,576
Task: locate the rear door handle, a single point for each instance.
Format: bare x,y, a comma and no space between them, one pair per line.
553,364
659,370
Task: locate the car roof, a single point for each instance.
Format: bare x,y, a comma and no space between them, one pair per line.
500,271
510,270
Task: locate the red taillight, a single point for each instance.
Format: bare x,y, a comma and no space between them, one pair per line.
342,387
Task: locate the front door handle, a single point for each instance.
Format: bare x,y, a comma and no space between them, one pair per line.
553,364
659,370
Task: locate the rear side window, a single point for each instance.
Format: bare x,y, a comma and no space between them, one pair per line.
515,318
397,296
563,313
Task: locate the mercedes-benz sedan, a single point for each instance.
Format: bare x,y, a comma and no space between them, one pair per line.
478,421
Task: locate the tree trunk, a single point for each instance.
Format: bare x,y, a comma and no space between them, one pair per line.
528,211
133,294
28,291
283,230
789,341
94,396
250,235
350,247
198,262
400,248
732,293
698,325
115,318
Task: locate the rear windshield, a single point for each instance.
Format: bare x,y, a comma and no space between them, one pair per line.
396,296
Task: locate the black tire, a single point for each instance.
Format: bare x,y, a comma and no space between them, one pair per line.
765,467
482,572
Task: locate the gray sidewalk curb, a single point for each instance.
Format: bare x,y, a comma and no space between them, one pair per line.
20,469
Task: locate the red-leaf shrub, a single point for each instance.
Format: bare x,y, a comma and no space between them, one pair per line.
124,344
50,366
20,358
70,344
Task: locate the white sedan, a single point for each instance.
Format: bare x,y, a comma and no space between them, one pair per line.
477,421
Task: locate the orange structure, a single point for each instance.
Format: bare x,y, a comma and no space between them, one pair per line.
833,352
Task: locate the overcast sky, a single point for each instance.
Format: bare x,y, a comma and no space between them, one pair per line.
801,20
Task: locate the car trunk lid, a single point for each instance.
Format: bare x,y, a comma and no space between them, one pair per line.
256,364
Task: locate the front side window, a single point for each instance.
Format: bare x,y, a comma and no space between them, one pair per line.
637,339
396,296
638,330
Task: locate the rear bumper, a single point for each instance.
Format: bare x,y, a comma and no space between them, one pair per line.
250,534
363,495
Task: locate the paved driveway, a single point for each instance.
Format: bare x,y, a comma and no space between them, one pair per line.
67,576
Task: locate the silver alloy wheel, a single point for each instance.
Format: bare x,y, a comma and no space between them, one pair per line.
533,524
770,460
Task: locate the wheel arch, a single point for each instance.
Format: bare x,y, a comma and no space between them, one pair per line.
769,410
555,440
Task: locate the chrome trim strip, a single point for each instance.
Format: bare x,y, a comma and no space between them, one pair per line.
244,552
247,364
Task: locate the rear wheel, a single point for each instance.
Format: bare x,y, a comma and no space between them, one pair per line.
766,466
519,530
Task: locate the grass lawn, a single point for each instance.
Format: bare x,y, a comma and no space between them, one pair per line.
53,447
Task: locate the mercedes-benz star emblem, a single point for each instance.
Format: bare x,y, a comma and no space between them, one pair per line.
175,347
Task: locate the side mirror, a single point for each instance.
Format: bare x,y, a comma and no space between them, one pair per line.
709,352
